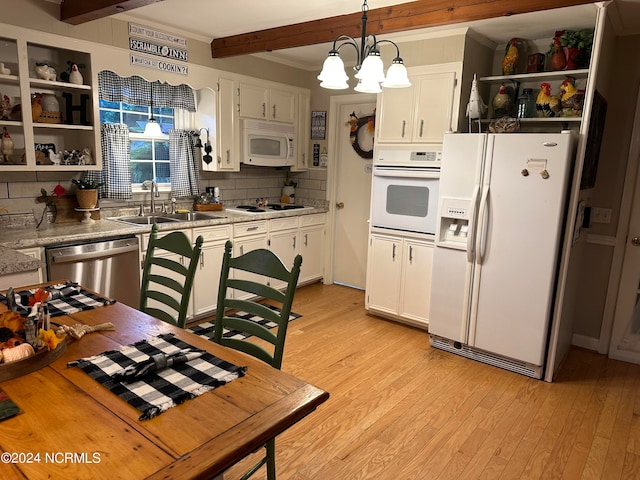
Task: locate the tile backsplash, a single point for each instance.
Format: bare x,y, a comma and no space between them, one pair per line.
19,190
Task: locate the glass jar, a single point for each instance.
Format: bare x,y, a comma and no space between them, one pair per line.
526,106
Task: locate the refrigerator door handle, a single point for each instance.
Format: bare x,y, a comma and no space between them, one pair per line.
482,226
471,234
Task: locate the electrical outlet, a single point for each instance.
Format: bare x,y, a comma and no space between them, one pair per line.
600,215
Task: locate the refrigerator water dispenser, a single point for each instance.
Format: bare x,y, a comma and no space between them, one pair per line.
454,223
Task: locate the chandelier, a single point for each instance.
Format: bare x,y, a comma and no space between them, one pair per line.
369,67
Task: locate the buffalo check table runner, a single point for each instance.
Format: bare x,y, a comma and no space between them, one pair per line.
158,391
71,299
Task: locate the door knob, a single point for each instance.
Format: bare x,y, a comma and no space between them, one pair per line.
339,205
635,241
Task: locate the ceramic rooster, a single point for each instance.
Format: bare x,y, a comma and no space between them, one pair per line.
511,56
36,106
476,107
55,158
502,103
6,108
75,76
6,145
547,105
572,99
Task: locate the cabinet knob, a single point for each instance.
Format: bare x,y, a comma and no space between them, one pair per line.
635,241
339,205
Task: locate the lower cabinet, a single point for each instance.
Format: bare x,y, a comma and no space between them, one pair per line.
248,236
399,278
207,280
302,235
30,277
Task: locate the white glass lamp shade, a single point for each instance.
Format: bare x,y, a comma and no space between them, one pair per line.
368,86
396,76
152,128
333,75
372,68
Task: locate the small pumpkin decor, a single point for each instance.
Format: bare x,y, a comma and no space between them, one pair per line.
86,193
356,124
22,338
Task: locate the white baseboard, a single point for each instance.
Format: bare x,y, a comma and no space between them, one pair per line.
589,343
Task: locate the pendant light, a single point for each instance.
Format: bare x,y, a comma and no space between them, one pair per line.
369,67
152,128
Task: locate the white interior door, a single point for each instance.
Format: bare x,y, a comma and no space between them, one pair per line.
352,199
625,336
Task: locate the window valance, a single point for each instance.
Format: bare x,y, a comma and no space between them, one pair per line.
136,90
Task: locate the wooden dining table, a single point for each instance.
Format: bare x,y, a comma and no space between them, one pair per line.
72,427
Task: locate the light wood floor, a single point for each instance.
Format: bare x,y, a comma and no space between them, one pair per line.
400,409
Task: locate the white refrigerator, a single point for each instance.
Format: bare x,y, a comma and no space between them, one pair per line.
501,214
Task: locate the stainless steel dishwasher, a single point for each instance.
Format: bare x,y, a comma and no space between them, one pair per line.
110,267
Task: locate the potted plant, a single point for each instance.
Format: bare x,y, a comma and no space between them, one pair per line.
577,45
86,192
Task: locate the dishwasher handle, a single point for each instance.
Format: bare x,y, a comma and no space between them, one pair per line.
91,255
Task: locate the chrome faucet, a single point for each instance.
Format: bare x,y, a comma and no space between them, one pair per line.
154,188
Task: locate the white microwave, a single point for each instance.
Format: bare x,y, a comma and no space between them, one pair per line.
267,144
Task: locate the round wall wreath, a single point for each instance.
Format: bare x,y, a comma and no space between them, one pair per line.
356,125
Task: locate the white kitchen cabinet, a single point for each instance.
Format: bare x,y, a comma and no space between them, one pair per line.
423,112
264,103
228,129
207,280
311,247
248,236
283,241
29,277
304,235
303,162
73,125
399,278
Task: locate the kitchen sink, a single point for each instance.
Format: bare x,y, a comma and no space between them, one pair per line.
166,218
192,216
145,219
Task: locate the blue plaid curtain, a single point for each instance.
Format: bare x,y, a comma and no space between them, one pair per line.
116,165
185,163
137,91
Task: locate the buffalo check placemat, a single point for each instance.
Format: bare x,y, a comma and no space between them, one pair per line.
72,299
207,329
160,390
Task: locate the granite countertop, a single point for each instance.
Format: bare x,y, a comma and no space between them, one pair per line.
12,239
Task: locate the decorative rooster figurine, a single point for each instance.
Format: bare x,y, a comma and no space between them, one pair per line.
511,56
75,76
547,105
502,103
476,107
6,145
572,99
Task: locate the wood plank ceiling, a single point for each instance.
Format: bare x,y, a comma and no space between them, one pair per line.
391,19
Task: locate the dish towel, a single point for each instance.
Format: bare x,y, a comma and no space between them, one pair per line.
65,299
162,389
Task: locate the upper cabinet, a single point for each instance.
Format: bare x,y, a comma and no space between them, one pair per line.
264,103
423,112
303,133
49,115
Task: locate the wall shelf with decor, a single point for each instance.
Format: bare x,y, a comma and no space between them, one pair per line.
45,103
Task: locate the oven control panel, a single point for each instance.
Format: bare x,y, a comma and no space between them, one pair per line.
409,156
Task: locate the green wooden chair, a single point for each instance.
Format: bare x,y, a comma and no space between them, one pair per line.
170,265
266,265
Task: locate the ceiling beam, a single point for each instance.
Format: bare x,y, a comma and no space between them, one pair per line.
391,19
76,12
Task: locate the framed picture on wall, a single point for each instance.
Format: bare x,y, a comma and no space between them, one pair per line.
318,125
594,140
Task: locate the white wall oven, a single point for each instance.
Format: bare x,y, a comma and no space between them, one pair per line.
404,193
